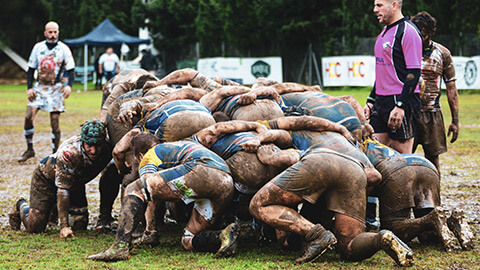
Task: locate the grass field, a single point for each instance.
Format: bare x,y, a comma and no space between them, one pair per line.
460,187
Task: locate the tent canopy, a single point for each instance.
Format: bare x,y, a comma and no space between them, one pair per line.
106,34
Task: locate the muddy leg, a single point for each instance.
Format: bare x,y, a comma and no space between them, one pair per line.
55,124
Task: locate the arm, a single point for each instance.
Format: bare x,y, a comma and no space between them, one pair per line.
208,136
181,76
185,93
30,93
452,96
411,81
260,91
128,110
121,148
367,129
369,104
272,155
281,138
63,204
212,99
289,87
67,89
312,123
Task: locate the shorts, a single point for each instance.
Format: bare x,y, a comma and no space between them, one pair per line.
43,194
49,98
249,173
430,132
339,179
408,187
381,112
202,185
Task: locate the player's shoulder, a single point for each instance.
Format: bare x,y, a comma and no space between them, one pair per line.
444,50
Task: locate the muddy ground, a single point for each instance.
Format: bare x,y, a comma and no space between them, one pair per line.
460,175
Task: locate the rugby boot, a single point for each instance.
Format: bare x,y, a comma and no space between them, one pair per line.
119,251
228,241
26,155
14,217
438,216
148,238
396,248
318,241
457,223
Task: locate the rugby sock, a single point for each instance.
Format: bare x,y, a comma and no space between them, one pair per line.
29,137
55,141
132,212
364,245
206,241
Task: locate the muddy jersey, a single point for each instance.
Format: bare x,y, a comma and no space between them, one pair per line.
48,62
187,153
437,64
398,48
70,167
387,160
229,105
229,144
325,106
156,119
333,141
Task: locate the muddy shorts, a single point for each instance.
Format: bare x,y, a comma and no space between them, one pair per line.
49,98
261,109
43,194
249,174
202,185
341,180
408,187
430,132
381,112
183,124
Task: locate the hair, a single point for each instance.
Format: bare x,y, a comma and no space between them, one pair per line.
423,20
143,142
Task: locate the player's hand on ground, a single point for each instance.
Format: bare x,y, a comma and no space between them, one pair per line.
251,145
66,91
66,232
396,117
453,130
31,94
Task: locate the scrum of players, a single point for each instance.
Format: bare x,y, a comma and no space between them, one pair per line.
296,161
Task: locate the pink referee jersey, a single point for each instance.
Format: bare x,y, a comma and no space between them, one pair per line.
398,48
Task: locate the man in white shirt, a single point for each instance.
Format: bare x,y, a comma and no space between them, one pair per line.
108,64
51,58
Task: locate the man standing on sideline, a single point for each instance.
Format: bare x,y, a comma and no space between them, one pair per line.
149,62
437,64
394,99
108,64
51,57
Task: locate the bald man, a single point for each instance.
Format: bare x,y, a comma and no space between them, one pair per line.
52,59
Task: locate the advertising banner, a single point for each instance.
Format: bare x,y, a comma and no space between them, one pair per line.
242,70
348,70
360,71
